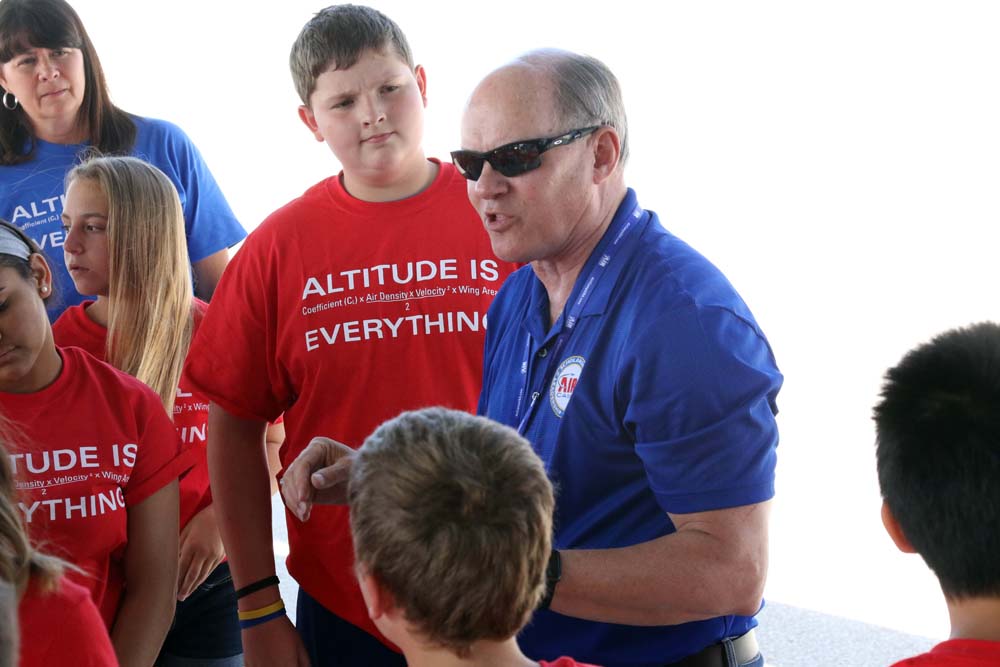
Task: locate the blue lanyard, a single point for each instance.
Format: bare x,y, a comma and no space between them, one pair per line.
619,231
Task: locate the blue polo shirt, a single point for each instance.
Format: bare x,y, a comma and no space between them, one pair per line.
32,196
662,399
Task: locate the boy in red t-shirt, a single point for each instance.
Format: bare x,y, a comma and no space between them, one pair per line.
938,451
364,297
452,522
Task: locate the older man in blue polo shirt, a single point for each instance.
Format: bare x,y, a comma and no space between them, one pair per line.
634,368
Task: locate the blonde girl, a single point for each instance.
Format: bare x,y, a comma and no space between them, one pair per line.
125,245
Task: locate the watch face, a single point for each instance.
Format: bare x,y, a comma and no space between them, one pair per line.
553,571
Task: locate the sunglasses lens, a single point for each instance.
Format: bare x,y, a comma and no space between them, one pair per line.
516,159
468,163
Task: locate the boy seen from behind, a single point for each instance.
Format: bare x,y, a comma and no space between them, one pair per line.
452,522
938,451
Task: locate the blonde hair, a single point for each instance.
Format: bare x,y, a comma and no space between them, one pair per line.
149,281
18,559
452,514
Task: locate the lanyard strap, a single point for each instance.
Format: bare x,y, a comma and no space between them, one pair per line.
620,229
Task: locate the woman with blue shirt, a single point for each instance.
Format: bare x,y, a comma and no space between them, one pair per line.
56,106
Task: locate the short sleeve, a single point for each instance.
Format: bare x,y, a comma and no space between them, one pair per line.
209,221
233,360
700,403
159,457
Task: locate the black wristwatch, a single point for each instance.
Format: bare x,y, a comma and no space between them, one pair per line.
553,573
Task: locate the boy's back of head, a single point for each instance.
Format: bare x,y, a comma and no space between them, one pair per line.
452,515
336,37
938,453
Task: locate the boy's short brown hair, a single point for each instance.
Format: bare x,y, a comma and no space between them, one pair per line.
336,37
452,514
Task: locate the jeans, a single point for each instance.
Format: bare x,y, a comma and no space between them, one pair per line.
333,642
206,628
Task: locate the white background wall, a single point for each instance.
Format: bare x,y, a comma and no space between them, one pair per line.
839,160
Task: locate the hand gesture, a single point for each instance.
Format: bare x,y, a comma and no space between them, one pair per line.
318,475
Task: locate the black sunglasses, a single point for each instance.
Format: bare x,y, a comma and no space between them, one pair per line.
515,158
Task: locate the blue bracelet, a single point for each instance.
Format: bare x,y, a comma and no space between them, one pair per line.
263,619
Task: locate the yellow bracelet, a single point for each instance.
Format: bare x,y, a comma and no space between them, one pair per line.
263,611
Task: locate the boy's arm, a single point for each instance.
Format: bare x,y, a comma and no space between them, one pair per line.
238,469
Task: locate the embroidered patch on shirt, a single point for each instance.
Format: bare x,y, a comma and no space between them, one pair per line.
564,382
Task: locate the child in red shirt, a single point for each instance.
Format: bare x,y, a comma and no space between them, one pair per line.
48,600
364,297
938,453
125,244
95,462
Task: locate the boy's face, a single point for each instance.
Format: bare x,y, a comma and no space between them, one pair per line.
371,116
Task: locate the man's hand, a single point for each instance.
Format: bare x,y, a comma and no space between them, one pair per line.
274,644
201,551
318,475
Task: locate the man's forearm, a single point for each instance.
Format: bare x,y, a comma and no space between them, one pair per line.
699,572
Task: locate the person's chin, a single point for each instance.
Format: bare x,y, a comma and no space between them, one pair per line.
505,248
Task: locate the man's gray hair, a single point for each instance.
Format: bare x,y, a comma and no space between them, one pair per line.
586,91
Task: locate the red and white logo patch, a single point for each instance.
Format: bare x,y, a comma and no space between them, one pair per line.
564,383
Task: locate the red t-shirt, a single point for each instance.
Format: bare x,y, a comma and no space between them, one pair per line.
565,662
957,653
93,443
74,328
344,313
62,627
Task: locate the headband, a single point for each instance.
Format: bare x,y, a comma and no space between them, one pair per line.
12,244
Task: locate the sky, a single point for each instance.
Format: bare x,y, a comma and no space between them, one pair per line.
839,161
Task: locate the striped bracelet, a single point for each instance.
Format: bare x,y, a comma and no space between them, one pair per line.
254,617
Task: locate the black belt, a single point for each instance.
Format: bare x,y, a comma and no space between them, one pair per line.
744,647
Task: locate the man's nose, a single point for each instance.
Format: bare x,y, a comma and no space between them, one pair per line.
491,183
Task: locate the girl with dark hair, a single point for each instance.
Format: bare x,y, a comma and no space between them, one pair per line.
55,105
96,463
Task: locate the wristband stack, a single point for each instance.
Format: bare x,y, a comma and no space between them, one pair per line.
254,617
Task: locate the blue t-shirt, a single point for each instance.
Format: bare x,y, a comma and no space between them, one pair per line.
661,400
32,196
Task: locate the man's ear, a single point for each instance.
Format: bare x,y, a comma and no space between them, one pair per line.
607,152
309,120
895,530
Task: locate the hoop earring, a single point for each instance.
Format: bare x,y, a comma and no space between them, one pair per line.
6,105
